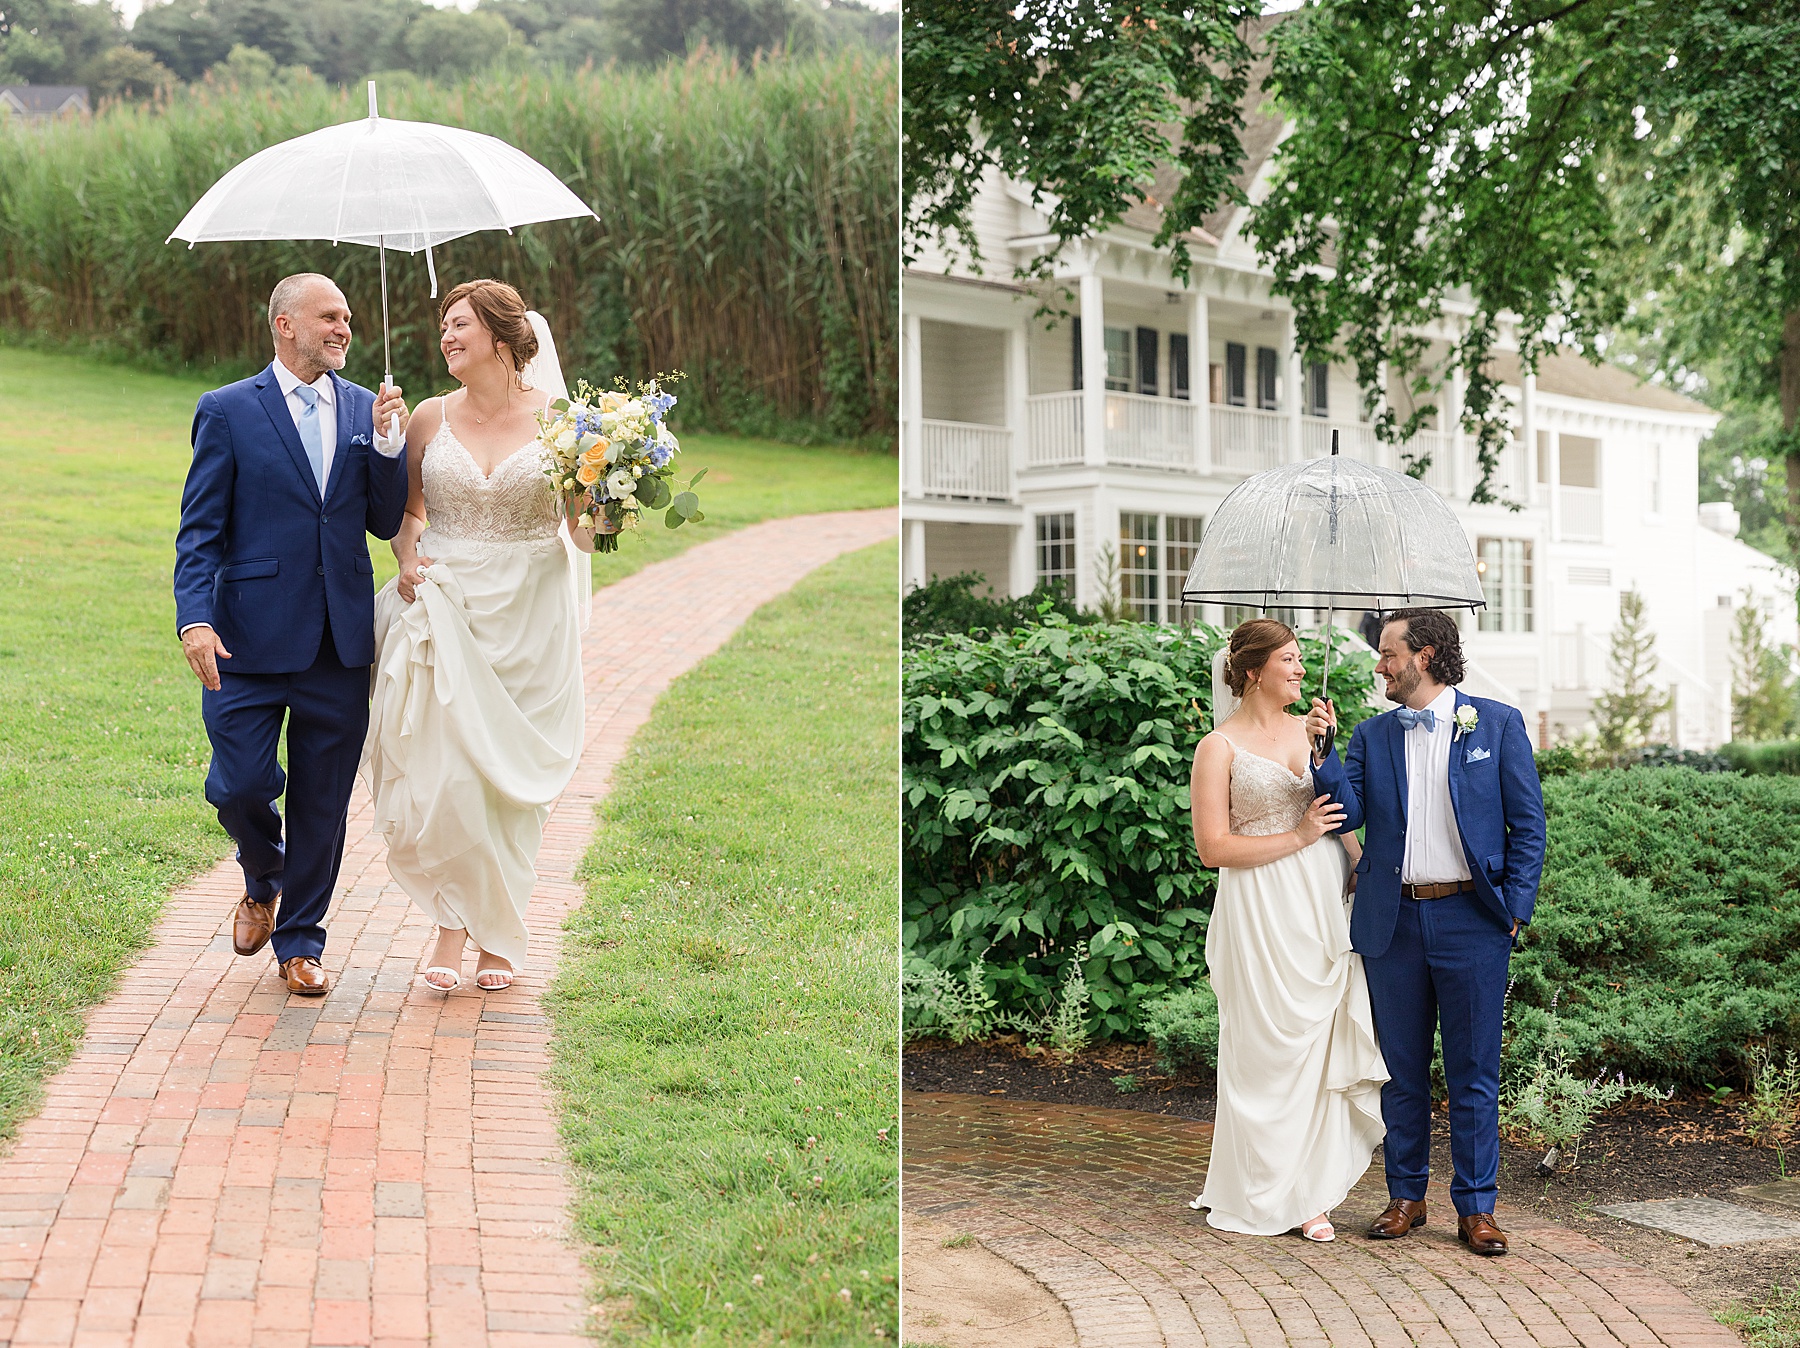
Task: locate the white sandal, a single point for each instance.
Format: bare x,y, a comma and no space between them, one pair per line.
1318,1229
503,975
455,978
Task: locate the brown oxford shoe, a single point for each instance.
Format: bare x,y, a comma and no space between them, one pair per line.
1479,1233
251,925
1402,1215
306,976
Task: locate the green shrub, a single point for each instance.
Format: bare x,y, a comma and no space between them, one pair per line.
950,604
1779,758
1669,919
1184,1027
1045,773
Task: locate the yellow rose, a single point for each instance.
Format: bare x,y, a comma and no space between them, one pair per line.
594,454
587,474
612,402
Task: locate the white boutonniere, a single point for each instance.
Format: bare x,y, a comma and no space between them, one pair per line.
1466,718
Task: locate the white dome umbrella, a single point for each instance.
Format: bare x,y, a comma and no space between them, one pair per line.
1334,533
382,182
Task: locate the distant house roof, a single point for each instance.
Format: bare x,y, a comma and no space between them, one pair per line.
1261,133
44,100
1571,375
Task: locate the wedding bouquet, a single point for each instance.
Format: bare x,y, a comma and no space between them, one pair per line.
609,452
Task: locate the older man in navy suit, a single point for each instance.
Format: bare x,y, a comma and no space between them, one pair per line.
1454,844
274,602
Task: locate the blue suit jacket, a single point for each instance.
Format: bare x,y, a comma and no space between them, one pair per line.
260,554
1499,813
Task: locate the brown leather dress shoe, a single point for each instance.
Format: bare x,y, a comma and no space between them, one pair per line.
306,976
1479,1233
251,925
1402,1215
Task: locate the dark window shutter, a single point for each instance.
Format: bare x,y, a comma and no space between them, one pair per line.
1178,365
1265,377
1318,389
1146,361
1236,358
1076,326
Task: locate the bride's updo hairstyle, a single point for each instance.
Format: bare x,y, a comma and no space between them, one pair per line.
1251,645
501,310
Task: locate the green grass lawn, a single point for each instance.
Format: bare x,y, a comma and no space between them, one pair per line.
102,753
725,1014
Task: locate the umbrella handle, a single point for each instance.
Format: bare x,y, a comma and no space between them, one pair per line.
1322,742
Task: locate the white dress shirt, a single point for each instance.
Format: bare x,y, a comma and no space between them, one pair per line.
289,381
327,392
1434,847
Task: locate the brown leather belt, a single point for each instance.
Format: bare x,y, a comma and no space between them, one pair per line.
1442,891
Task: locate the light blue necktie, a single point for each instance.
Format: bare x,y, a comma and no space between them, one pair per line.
309,433
1409,718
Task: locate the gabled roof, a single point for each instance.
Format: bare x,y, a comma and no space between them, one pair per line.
44,99
1570,375
1261,133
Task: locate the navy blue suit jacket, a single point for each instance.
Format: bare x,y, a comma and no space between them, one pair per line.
260,555
1499,813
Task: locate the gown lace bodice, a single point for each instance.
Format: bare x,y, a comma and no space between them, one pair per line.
515,505
1265,797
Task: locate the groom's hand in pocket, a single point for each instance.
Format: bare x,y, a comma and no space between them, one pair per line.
204,650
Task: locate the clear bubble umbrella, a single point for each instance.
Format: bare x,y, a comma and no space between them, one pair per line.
1334,533
383,182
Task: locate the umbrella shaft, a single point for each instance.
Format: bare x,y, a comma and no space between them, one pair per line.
387,349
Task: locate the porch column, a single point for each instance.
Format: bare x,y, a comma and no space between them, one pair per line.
915,554
1018,409
1390,454
1295,449
1093,370
1018,417
1554,486
913,411
1464,474
1200,378
1528,433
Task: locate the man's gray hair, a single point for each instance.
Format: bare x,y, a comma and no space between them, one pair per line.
287,293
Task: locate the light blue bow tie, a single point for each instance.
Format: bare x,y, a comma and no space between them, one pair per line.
1409,718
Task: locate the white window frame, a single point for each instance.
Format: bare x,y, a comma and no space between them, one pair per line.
1505,567
1059,546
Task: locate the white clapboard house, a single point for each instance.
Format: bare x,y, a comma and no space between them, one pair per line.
1037,448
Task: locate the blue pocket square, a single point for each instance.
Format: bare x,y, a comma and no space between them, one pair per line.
1476,755
359,439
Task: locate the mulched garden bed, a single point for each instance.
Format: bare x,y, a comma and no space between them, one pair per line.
1687,1147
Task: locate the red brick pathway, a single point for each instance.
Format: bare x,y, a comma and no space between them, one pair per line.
1092,1202
222,1164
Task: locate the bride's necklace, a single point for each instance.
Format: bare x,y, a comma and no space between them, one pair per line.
469,398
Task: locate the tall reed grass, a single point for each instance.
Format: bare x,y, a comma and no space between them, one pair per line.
747,231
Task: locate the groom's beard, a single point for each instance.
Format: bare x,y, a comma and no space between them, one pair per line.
1401,687
321,356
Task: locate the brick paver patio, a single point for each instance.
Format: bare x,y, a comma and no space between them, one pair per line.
223,1164
1092,1202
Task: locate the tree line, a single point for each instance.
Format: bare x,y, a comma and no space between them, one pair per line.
341,41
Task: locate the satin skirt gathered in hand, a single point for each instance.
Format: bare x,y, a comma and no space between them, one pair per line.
1299,1100
475,730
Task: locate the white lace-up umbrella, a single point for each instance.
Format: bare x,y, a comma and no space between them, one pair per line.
1334,533
382,182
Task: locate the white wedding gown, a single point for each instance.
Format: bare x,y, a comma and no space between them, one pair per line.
478,707
1299,1102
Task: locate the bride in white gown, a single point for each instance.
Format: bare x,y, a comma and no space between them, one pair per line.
1299,1092
478,707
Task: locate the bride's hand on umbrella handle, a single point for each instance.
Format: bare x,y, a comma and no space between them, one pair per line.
1321,726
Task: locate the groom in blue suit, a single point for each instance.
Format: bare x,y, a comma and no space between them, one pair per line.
1454,844
275,605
